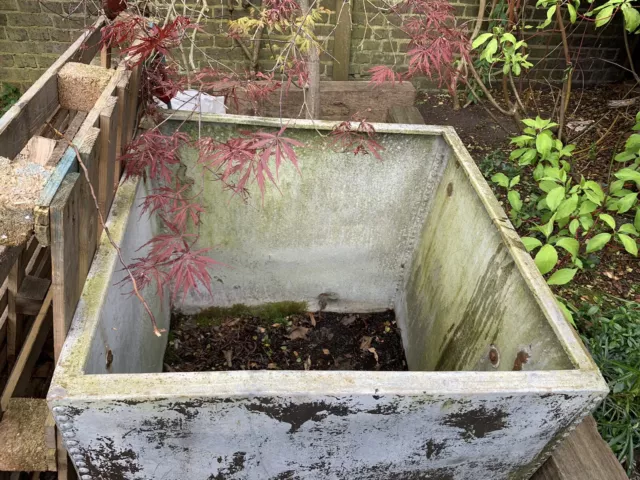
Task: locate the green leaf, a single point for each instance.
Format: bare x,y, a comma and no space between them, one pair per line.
628,228
508,37
586,207
628,174
514,200
544,142
616,186
572,13
598,242
546,259
629,244
481,39
554,198
528,157
547,228
501,179
624,157
636,220
517,153
568,206
571,245
514,181
531,243
586,221
608,219
631,17
595,188
633,143
573,226
604,16
490,50
566,312
626,202
550,13
529,122
562,276
521,139
547,185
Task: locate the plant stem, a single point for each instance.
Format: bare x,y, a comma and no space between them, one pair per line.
632,68
566,87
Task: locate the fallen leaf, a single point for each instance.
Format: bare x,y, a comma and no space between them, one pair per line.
312,317
272,366
307,363
298,333
348,320
325,351
228,355
375,354
365,343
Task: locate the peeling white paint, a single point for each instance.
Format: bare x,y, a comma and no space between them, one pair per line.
444,256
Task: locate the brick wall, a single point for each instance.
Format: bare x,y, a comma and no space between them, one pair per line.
33,33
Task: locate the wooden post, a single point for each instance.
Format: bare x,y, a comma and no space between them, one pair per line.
15,320
107,159
342,40
105,57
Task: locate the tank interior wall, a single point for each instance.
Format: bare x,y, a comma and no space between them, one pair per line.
464,293
344,226
123,341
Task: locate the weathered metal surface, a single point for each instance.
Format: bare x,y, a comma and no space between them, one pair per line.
467,296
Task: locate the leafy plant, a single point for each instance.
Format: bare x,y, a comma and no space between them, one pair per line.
612,335
575,218
9,94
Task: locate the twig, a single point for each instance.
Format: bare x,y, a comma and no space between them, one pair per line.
136,291
629,56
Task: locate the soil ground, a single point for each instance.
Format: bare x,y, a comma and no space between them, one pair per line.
243,338
604,132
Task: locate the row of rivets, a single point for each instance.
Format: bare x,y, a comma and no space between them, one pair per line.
66,427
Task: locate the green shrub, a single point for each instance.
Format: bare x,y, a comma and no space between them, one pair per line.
8,96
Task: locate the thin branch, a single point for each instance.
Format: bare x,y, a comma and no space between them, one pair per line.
136,291
632,68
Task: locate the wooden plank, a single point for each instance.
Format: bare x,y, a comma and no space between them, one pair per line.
30,351
70,132
342,40
22,436
105,57
123,122
31,295
132,103
89,152
65,245
68,163
40,101
8,256
406,115
15,320
584,455
107,159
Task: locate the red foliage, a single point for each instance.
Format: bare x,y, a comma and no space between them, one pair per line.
277,11
241,159
435,41
359,140
152,154
158,39
383,74
122,32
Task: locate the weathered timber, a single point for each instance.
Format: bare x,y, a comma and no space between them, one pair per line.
584,455
40,102
342,41
406,115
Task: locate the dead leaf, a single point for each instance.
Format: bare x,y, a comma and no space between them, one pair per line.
298,333
307,363
312,317
348,320
365,343
272,366
326,351
228,355
375,354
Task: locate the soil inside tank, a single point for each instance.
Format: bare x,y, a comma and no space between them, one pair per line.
283,336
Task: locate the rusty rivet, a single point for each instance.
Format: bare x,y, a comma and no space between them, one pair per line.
109,357
449,189
521,358
494,356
